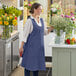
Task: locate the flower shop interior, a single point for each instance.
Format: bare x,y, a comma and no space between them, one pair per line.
59,44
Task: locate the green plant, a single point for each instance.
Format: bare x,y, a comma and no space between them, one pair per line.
10,10
61,23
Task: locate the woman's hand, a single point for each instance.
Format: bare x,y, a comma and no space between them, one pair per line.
50,29
21,48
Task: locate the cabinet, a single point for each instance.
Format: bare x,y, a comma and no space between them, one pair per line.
9,54
64,60
5,57
15,52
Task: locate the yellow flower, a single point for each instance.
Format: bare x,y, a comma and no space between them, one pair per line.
0,22
11,17
6,23
5,14
7,18
0,18
14,22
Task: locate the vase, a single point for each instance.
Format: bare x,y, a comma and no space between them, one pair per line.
57,39
60,39
5,33
11,28
1,30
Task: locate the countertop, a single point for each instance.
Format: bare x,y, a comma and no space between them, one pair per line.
62,45
13,34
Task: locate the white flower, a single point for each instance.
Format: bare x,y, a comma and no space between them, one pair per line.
53,9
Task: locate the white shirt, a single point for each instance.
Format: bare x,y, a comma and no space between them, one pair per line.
28,28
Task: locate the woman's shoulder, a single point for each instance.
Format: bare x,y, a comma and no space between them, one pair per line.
28,20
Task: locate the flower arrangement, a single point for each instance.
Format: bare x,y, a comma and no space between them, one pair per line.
64,22
8,19
70,41
55,8
28,4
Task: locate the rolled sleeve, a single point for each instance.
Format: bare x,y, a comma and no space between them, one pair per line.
45,29
26,30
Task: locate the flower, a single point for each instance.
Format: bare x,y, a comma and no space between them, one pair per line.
25,3
7,18
29,4
14,22
5,14
71,14
68,41
67,16
0,22
53,9
62,15
15,17
0,18
73,39
6,23
11,17
73,18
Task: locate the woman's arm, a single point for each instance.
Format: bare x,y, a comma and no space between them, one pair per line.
47,31
50,29
21,48
26,31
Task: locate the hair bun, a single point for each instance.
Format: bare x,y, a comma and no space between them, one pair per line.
30,11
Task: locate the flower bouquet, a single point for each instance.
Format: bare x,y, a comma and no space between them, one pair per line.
55,8
8,20
61,23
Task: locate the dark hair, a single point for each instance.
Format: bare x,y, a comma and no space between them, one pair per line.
34,6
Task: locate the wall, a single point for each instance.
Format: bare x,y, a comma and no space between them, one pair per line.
9,2
67,5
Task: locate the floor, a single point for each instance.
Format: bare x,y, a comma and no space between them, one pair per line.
20,72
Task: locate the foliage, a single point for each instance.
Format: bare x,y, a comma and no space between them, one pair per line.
61,23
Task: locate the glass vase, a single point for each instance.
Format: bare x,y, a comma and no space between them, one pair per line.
11,28
60,39
5,33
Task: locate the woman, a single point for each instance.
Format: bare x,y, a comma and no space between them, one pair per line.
33,42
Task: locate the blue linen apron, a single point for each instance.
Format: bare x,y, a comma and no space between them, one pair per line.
33,54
